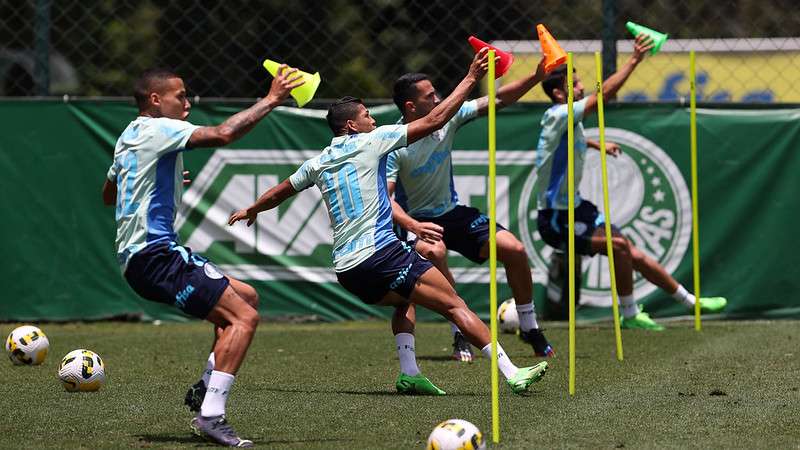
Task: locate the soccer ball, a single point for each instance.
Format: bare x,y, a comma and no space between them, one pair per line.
456,434
507,316
27,345
82,370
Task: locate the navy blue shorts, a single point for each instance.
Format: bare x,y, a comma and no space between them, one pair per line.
554,228
172,274
466,231
395,267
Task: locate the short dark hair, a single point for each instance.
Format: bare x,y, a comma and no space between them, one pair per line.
405,88
341,111
147,83
557,79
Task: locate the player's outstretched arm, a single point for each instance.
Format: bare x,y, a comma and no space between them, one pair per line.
641,46
511,92
268,200
612,148
240,123
426,231
445,111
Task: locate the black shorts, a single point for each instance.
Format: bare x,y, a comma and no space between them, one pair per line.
395,267
466,231
554,228
172,274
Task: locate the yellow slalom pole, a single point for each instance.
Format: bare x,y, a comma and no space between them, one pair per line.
606,208
493,251
571,219
695,208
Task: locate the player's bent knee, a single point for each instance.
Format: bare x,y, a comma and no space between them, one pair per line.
249,320
434,253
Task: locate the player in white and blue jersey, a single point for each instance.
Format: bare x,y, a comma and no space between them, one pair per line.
368,258
145,181
426,203
552,197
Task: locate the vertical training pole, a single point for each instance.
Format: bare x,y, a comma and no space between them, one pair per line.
606,208
571,219
493,251
695,208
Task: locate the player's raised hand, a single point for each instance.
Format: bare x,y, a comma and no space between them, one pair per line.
541,73
613,149
285,80
641,46
480,63
241,215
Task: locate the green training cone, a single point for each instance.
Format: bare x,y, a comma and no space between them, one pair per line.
657,37
302,94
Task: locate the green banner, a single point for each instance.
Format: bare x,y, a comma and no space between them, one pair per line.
59,244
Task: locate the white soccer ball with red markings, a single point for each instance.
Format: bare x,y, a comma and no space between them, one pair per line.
456,434
507,318
82,371
27,345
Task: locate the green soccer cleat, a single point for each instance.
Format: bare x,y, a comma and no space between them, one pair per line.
712,305
640,321
526,376
416,385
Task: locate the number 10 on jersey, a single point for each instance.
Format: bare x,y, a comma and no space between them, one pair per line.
344,191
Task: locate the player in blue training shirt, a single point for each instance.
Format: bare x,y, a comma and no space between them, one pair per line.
552,199
145,181
426,203
369,260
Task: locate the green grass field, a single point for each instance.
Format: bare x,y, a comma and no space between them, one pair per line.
331,386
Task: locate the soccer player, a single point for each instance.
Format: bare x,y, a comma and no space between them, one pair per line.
368,258
551,193
426,204
145,181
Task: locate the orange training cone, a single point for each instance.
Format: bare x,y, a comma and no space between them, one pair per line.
554,55
506,59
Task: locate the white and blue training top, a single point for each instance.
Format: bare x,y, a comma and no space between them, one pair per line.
148,171
551,157
423,170
351,175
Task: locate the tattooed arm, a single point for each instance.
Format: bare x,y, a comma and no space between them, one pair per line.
240,123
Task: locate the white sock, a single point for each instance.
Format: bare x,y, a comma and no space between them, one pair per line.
684,296
209,369
527,317
454,328
219,384
406,353
503,361
629,306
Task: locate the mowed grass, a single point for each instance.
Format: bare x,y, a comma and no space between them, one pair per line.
331,386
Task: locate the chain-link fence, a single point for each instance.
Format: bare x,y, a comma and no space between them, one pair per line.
748,50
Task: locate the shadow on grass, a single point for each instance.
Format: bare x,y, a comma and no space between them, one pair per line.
368,393
437,358
184,438
200,442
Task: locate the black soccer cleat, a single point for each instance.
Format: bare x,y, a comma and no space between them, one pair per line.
536,338
195,395
462,351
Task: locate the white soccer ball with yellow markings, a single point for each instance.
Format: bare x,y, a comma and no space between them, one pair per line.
27,345
456,434
507,318
82,370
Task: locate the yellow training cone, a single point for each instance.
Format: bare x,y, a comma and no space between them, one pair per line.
302,94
